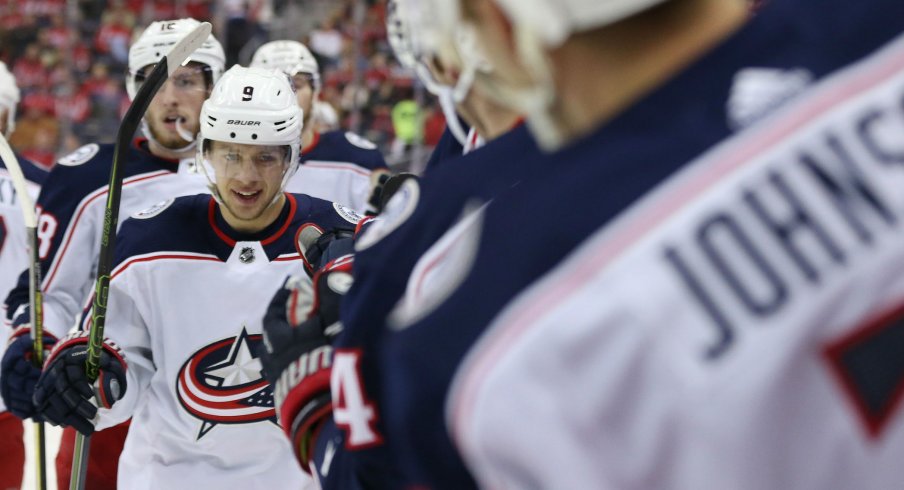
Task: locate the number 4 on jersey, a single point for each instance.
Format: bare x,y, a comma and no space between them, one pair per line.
351,410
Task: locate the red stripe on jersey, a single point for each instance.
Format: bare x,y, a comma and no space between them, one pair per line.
348,167
211,217
125,265
70,231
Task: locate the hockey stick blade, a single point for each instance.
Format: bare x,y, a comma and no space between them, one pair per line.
34,289
178,54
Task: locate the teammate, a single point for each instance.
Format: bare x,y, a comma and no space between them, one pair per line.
411,29
71,217
345,450
204,416
337,165
13,258
728,321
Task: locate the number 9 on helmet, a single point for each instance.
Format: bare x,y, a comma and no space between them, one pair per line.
253,107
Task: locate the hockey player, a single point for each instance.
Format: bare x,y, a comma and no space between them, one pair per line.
203,415
347,454
337,165
412,31
13,258
729,320
71,217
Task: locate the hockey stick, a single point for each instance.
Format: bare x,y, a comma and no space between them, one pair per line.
35,302
178,55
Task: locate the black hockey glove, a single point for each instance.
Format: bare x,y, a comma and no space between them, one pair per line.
299,325
317,248
18,373
63,395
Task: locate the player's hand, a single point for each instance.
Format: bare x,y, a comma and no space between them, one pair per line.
18,373
301,320
63,395
318,248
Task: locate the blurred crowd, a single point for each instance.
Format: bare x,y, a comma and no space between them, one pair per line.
70,59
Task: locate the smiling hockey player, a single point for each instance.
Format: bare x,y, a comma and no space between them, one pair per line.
203,415
71,204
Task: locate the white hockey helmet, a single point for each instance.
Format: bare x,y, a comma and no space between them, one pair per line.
538,26
420,31
156,41
251,106
9,97
290,57
398,31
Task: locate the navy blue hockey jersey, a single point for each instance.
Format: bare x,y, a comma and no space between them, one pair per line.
415,218
781,61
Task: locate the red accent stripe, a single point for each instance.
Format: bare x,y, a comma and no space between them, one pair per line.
349,167
78,216
314,143
211,218
125,265
293,206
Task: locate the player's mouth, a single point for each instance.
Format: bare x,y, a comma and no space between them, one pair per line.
247,198
170,121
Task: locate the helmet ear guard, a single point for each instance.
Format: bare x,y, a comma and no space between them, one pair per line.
251,106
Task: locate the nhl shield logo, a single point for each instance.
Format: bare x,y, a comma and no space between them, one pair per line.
247,255
222,384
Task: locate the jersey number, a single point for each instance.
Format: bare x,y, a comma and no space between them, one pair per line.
351,410
47,227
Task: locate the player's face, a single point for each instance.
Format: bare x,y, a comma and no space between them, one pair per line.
248,177
304,91
179,102
494,35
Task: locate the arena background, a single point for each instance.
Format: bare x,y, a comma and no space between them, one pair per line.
69,58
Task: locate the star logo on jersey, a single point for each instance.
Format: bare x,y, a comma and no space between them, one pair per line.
222,383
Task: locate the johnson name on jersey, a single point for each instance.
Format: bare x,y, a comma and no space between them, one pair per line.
187,295
338,166
70,219
717,327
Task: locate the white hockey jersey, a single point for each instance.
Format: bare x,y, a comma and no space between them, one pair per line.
14,253
338,166
742,326
186,302
71,209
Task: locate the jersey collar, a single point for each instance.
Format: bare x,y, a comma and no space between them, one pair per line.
314,143
142,145
266,236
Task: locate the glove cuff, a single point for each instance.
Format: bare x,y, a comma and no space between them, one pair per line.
24,330
303,398
82,338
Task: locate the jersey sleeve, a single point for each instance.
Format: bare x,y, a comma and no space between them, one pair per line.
68,227
126,326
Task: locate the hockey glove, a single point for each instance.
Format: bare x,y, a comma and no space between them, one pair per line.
300,323
318,248
18,373
63,395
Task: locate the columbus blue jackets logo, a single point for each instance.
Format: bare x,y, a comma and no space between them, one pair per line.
222,384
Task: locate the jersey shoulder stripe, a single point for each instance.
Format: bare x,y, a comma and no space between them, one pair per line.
341,147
